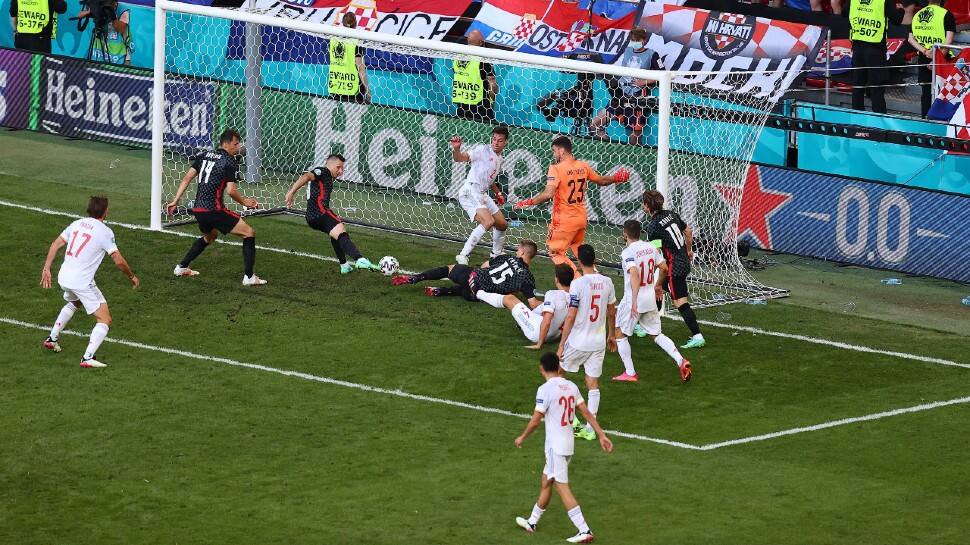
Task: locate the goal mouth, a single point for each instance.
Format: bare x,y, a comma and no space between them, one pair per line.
270,79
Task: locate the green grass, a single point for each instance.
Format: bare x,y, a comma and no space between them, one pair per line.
167,449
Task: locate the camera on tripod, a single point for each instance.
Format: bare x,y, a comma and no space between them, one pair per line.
101,12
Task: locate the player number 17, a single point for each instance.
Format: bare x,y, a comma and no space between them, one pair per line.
70,247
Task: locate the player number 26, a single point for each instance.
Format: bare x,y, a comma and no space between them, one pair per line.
568,409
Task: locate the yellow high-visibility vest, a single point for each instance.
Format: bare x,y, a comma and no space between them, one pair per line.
344,79
32,16
867,20
468,87
928,26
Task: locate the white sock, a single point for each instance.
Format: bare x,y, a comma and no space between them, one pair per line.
699,337
498,241
626,354
494,299
593,402
576,515
62,319
473,239
669,347
536,514
98,334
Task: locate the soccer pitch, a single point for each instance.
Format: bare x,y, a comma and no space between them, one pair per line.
337,409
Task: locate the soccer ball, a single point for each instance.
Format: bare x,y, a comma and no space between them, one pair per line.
389,265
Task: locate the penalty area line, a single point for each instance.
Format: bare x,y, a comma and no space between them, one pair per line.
332,381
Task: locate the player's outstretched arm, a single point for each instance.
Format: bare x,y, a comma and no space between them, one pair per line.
634,289
546,194
661,279
529,428
543,331
183,185
499,197
591,419
122,264
248,202
45,273
567,328
621,175
300,182
456,154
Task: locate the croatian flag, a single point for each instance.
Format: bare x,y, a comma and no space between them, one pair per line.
953,82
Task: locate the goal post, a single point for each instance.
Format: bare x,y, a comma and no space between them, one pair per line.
266,76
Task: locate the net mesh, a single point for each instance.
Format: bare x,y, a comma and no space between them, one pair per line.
395,131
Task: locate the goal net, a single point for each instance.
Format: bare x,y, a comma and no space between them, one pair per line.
270,78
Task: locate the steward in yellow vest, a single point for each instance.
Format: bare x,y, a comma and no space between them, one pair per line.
35,23
348,75
868,23
474,86
931,25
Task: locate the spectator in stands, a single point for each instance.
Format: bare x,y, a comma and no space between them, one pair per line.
867,30
474,87
348,74
633,106
35,23
809,5
931,25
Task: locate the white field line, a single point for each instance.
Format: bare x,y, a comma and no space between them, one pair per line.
333,381
826,342
835,423
837,344
133,227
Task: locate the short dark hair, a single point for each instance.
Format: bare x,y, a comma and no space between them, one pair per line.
531,247
229,135
565,274
349,20
638,34
563,142
549,362
653,199
586,255
336,156
632,228
97,206
501,130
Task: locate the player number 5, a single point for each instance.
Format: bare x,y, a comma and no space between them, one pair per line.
568,410
594,309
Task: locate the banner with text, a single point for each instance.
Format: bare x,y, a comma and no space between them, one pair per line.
748,55
14,88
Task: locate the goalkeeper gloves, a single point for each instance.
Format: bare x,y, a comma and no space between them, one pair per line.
524,204
622,175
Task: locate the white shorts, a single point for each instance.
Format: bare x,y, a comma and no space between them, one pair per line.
557,467
650,321
530,322
471,201
90,297
592,362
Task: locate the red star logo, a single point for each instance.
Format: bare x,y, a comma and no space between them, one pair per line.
757,205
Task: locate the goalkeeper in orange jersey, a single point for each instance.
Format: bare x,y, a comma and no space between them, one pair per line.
566,186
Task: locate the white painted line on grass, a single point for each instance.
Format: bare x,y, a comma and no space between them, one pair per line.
175,233
333,381
836,344
834,423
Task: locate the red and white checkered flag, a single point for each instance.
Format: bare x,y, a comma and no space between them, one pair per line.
366,12
526,27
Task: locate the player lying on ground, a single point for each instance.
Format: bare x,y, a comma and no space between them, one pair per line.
566,186
87,240
485,164
557,401
321,217
218,173
589,329
677,244
502,275
542,323
644,270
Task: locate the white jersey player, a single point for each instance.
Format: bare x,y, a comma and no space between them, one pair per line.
644,271
588,330
485,164
544,321
87,241
557,402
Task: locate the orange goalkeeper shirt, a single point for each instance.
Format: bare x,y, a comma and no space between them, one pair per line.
571,178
